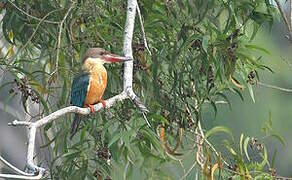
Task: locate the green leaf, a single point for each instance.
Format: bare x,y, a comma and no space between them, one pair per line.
229,148
83,132
238,92
241,143
158,117
225,98
218,129
152,138
48,141
105,128
214,107
274,158
268,68
251,46
256,27
265,157
251,92
205,43
116,137
279,137
245,145
71,155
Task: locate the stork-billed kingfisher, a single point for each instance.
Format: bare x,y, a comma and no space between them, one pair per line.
88,87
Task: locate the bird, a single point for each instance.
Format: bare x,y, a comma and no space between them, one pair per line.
89,85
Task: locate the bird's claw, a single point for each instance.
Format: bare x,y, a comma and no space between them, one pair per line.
103,103
91,108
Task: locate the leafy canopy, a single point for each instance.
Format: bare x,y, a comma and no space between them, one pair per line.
201,50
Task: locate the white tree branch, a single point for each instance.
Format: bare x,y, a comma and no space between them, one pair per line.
127,93
14,168
127,44
38,176
127,50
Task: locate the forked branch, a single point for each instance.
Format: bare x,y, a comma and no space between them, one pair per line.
38,172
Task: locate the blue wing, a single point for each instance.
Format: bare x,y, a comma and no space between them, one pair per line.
79,89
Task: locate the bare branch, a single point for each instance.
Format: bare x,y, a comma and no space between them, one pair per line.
189,171
127,46
54,116
274,87
15,176
70,109
14,168
127,50
19,123
285,19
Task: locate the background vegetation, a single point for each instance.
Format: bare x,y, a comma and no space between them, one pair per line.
203,52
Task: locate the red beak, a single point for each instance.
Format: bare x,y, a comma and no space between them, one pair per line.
112,58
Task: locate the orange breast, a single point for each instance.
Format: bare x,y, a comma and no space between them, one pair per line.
97,85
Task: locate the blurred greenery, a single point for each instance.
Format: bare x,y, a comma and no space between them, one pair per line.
203,52
249,117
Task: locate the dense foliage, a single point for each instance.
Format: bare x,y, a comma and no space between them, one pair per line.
201,49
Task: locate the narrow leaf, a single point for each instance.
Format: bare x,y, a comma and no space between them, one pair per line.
115,139
251,92
205,43
245,145
218,129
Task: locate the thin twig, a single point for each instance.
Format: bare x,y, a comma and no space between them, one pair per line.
199,141
290,13
145,118
189,171
212,148
59,38
143,30
285,18
218,102
227,165
182,166
125,170
33,17
286,61
274,87
253,172
30,38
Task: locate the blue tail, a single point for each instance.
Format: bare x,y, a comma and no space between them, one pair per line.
75,125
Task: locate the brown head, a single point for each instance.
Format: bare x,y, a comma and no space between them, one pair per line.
102,56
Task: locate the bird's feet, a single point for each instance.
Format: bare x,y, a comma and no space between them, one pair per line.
103,103
91,108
